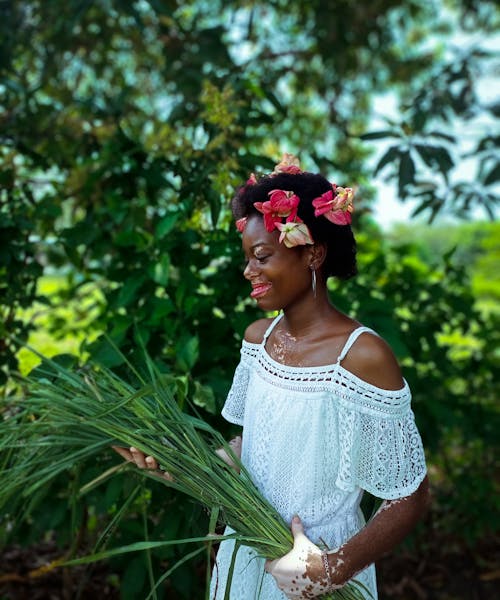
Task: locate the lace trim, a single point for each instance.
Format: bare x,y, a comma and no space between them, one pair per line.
350,389
249,351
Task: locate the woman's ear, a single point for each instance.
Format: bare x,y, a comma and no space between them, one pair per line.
317,255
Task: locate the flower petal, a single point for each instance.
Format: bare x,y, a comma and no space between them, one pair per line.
241,224
335,205
252,180
289,164
263,207
294,234
270,222
339,217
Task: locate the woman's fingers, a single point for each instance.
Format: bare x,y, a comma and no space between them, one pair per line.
141,460
138,457
151,463
134,455
124,453
235,444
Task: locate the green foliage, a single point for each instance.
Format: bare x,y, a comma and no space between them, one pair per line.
475,247
125,127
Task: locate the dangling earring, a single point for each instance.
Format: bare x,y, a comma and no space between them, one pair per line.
313,281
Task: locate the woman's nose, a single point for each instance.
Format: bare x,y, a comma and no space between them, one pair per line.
249,270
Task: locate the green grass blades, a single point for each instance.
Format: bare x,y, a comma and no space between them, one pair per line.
69,415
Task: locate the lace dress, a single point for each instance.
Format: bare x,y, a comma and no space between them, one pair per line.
315,438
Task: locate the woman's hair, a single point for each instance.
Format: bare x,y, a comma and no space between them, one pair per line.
340,259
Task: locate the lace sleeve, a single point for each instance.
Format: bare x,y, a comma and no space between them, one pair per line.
234,407
380,446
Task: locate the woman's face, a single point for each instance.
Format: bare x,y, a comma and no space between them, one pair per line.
279,276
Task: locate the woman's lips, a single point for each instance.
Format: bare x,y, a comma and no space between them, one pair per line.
260,289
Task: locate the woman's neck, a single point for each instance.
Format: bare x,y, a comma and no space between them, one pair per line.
311,316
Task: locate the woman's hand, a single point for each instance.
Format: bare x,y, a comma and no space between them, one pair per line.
137,457
235,445
302,573
141,460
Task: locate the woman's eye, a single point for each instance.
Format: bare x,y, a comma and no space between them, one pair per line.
262,259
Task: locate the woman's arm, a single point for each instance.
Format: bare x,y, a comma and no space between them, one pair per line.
307,572
390,525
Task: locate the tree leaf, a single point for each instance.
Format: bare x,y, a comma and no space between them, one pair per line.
406,172
390,156
160,270
203,396
444,160
166,225
436,156
444,136
378,135
187,352
129,290
493,175
104,353
494,108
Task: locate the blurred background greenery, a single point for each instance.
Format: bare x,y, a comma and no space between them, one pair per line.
125,127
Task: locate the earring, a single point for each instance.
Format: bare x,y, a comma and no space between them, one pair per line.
313,283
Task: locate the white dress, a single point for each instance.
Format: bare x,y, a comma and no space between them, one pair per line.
313,439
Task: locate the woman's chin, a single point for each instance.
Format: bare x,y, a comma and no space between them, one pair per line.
267,304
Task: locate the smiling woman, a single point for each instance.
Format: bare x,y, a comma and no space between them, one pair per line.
325,411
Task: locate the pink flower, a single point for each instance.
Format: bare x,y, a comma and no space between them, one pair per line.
281,204
294,234
335,205
241,224
289,164
284,203
270,217
252,180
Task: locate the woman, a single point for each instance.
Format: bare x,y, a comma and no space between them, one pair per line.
324,409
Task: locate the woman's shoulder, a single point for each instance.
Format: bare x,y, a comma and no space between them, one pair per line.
371,359
254,333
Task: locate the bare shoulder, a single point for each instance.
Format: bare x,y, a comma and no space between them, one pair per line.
254,333
372,359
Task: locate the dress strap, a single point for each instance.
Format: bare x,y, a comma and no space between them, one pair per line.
351,339
271,327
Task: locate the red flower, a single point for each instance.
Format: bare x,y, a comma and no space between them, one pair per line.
241,224
281,204
335,205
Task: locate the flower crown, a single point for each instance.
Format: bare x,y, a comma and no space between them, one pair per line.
280,211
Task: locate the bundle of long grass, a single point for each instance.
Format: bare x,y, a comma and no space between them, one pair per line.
69,415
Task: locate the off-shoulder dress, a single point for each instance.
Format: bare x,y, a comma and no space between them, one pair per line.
314,439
